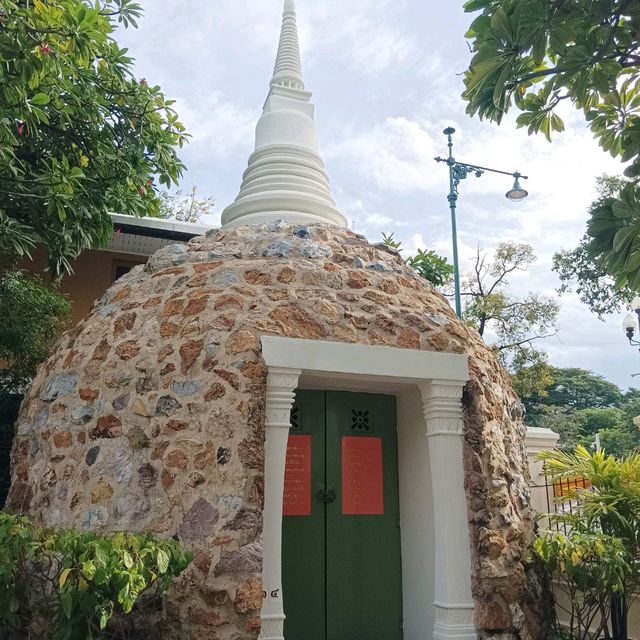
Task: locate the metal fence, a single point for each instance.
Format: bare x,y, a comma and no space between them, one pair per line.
554,490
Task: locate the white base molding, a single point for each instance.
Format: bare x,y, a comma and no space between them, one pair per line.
454,622
272,628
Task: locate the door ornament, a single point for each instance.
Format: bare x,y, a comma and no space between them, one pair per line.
360,420
326,496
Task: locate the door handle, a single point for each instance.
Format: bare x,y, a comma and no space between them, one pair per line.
326,496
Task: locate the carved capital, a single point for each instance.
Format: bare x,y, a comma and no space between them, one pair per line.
442,401
281,386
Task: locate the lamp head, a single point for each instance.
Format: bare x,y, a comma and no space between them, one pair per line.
635,304
517,194
629,325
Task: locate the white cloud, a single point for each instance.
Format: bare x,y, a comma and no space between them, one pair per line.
378,220
397,155
364,33
218,127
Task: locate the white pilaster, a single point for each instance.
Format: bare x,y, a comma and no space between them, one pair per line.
453,601
539,440
281,385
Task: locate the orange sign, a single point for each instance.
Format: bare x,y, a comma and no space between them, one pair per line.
297,477
566,486
362,482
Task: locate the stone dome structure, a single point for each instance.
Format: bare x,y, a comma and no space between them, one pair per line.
150,415
166,410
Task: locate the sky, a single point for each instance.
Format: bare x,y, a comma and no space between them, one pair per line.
387,78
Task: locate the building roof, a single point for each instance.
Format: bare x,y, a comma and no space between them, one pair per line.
145,236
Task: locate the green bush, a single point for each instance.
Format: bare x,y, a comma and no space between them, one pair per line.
588,568
33,316
65,585
597,563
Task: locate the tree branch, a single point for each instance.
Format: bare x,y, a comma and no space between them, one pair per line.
526,341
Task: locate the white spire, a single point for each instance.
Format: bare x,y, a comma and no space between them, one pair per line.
285,177
288,69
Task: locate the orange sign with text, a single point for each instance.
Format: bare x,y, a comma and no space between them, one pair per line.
297,478
362,481
567,486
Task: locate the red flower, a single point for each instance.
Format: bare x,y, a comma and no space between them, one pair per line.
45,49
150,182
21,128
142,191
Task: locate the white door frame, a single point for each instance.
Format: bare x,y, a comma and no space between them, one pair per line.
435,535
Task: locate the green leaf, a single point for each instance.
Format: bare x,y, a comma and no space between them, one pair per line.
88,570
66,601
501,26
40,99
123,594
539,50
63,577
162,560
104,619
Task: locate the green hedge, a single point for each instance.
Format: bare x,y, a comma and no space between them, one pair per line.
65,585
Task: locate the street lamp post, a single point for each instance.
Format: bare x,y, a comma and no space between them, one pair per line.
630,322
458,171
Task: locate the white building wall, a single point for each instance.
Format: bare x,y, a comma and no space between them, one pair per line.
416,517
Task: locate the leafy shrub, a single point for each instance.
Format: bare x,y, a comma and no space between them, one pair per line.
33,316
588,568
65,585
597,562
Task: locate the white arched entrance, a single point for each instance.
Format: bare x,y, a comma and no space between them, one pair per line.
433,512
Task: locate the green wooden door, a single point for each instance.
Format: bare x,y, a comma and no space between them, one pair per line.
341,553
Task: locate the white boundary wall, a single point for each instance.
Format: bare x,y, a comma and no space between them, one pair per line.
544,440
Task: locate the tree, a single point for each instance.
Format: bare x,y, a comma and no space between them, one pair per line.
613,233
512,323
432,267
59,584
580,389
428,264
184,208
581,269
516,322
579,404
585,567
33,316
80,136
535,54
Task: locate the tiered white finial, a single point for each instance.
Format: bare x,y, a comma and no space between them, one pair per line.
285,177
288,69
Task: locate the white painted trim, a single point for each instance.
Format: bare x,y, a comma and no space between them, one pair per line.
365,361
161,224
440,377
539,440
442,400
281,385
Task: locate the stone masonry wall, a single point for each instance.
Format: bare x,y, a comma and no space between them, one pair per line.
149,416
